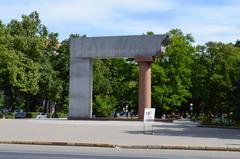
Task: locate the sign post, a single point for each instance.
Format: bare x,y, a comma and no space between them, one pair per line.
149,116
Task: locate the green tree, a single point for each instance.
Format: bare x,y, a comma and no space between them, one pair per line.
105,105
117,78
216,73
27,67
172,73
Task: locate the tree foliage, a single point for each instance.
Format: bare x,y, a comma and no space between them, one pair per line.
34,74
215,79
27,72
115,78
105,105
172,73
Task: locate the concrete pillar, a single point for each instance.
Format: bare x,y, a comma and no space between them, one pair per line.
80,88
144,98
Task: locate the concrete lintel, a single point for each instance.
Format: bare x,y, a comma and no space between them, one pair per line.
117,46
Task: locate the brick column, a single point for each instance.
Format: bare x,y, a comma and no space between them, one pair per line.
144,98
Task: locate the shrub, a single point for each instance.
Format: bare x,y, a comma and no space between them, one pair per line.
105,105
60,115
195,118
10,115
222,122
206,119
31,115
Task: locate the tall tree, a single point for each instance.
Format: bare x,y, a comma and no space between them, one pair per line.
172,73
27,70
116,80
216,72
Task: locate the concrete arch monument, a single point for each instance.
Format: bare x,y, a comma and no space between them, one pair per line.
143,48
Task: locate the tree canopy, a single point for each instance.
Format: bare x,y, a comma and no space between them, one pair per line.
34,74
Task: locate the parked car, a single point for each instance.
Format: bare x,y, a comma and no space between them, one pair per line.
20,114
125,114
41,116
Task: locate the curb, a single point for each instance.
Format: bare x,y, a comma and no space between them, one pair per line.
219,127
180,147
118,119
58,143
172,147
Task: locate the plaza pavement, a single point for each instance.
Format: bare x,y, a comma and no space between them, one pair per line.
123,134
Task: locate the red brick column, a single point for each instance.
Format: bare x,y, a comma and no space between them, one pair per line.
144,98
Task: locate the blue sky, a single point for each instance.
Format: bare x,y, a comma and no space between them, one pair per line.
206,20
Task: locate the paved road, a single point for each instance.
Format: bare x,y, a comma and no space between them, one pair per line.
117,132
62,152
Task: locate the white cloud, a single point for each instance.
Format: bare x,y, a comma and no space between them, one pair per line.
104,17
106,14
84,10
211,23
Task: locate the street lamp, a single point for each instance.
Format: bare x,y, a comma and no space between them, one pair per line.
191,109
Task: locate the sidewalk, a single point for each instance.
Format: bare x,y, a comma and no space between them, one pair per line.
125,134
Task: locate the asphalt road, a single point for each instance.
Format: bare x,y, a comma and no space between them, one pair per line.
63,152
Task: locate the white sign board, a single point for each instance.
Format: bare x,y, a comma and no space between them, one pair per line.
149,115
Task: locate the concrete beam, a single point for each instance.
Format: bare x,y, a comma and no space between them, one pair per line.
117,46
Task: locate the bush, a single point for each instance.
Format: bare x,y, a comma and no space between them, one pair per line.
105,105
222,122
195,118
31,115
10,115
206,119
60,115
